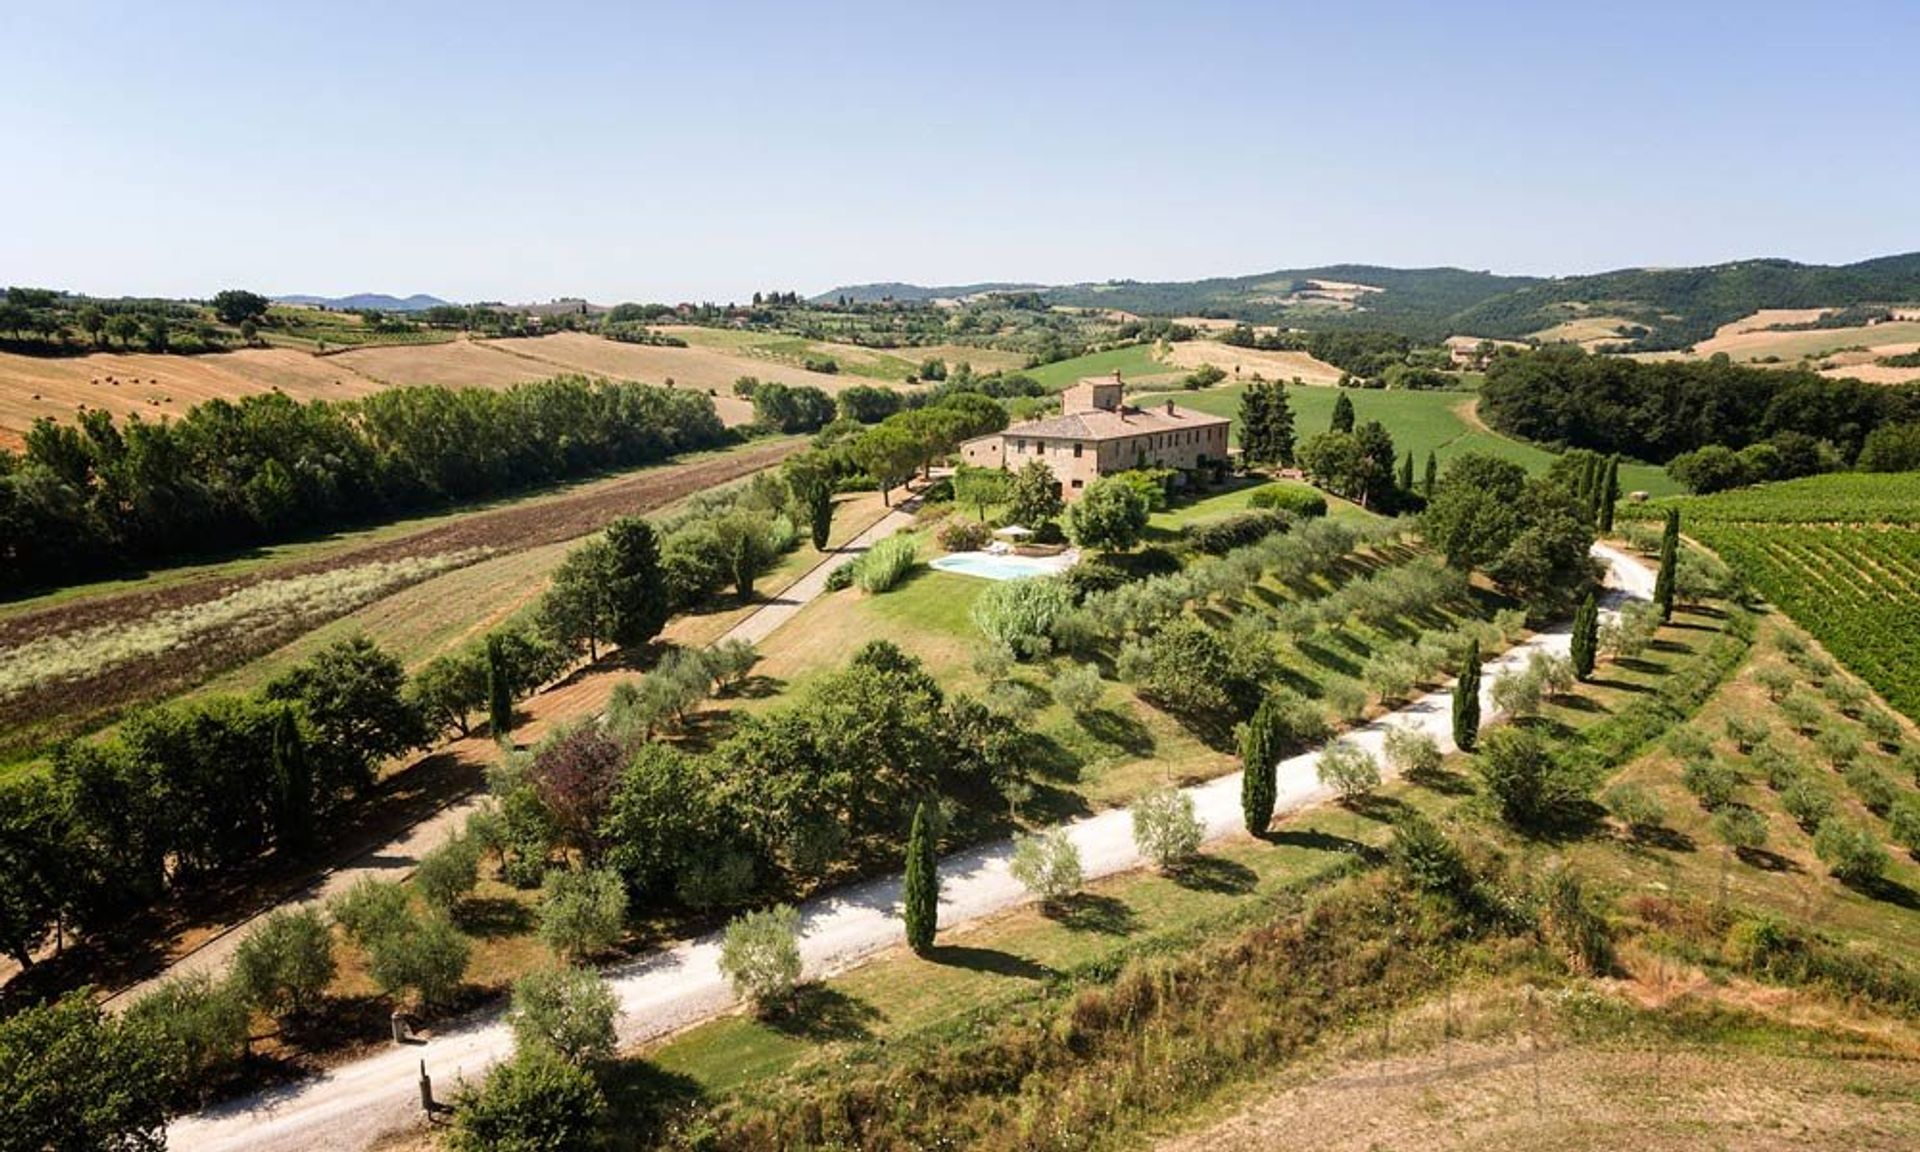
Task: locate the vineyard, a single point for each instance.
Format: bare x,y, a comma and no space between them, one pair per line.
1838,553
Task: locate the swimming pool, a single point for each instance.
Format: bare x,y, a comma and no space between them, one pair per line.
991,567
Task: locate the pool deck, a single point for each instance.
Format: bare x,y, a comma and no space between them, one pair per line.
1030,565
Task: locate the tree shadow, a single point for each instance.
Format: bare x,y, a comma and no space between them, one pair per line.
1213,874
491,917
1766,860
648,1099
1583,704
1637,664
1443,781
755,687
1327,659
989,960
1374,806
821,1013
1091,912
1889,891
1118,728
1619,685
1664,838
1315,840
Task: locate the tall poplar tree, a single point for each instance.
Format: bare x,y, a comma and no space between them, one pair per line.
922,896
1669,557
1466,700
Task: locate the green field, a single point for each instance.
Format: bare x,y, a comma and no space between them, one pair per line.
1838,553
1420,422
1131,361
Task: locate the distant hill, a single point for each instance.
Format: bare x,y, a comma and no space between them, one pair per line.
915,293
1660,308
1679,307
374,300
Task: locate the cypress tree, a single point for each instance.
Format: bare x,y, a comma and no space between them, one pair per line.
637,592
1466,700
1259,757
1433,474
499,691
1255,441
820,516
1342,413
1586,636
1280,425
1406,473
922,896
293,823
1609,493
1669,556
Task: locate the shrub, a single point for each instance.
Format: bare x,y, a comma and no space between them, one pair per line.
1845,695
1184,667
448,873
286,963
430,957
1852,853
1779,767
1047,865
1775,680
1423,854
1555,673
582,913
1807,803
1802,712
1636,807
1290,498
1713,782
1881,725
570,1010
1349,769
958,535
1516,692
886,564
1838,747
842,577
1871,785
1909,763
199,1028
1575,924
1218,537
1079,689
1746,734
1519,772
760,956
1740,827
1903,823
1689,743
1021,614
1411,752
371,908
535,1102
1347,699
1165,828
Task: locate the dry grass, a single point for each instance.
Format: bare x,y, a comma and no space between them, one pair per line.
1246,361
152,386
1586,331
1750,343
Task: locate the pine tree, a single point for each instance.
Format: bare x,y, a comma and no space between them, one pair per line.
1259,757
499,691
1406,473
293,822
1669,556
1466,700
1433,475
1280,425
1586,636
1255,423
1342,413
1609,493
922,896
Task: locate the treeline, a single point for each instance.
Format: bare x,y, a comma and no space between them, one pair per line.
43,320
87,499
1656,411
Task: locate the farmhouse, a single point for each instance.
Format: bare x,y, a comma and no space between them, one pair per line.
1097,434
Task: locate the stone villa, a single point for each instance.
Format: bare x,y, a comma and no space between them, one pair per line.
1097,434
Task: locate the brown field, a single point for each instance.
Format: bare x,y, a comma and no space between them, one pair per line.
490,540
1246,361
457,364
139,383
1753,344
1586,331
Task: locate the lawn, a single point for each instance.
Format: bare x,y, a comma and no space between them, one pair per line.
1420,422
1132,361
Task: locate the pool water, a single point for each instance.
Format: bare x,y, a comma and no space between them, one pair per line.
995,567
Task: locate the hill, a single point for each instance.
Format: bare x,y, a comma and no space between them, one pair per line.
914,293
377,301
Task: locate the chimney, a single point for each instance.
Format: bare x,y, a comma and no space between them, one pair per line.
1116,375
1169,407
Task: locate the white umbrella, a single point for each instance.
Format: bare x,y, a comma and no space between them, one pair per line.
1013,530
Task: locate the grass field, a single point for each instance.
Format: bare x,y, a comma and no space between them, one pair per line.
886,365
1133,362
1841,555
1420,422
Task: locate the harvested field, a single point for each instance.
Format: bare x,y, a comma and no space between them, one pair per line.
1586,331
50,709
1247,361
1816,343
152,386
460,364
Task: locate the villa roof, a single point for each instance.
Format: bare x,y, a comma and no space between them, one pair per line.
1115,425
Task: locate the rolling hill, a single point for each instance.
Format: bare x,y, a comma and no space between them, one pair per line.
378,301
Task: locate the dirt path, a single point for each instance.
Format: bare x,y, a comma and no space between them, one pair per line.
584,694
353,1105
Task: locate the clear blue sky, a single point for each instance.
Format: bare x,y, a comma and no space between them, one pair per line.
703,150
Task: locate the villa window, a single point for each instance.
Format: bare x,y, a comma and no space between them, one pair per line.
1076,454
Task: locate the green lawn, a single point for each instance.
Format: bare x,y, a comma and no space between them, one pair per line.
1419,421
1133,360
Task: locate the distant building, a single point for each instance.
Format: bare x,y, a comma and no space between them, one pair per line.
1097,434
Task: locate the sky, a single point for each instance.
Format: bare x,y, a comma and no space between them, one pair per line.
702,151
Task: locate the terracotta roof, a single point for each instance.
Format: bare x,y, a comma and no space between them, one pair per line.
1103,425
